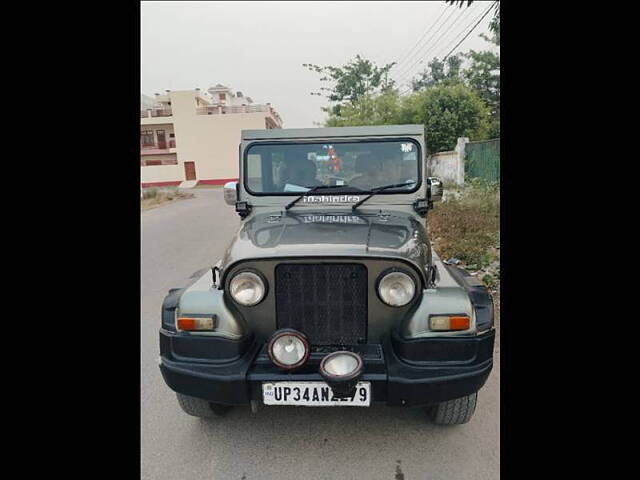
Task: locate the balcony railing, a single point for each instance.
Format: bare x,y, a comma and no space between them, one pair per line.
227,109
155,150
156,112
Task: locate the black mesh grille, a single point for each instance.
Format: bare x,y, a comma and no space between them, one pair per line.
327,302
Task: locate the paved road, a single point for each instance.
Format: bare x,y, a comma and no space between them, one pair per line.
283,442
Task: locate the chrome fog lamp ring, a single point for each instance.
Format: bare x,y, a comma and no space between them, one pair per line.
342,370
288,349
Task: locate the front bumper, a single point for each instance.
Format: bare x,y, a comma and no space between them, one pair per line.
415,372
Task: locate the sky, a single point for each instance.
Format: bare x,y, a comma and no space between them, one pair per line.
258,48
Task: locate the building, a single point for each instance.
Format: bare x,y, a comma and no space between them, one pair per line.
146,102
194,135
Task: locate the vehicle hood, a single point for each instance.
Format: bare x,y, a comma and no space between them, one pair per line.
390,234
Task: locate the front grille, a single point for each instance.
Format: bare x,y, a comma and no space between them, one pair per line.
327,302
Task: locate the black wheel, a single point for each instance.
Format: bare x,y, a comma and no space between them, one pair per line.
453,412
198,407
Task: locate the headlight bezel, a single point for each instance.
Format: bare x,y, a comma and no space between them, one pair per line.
403,271
288,332
260,277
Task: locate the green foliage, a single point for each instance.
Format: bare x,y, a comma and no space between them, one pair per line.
149,193
358,78
477,184
435,73
460,2
382,109
494,26
447,112
483,75
451,100
494,127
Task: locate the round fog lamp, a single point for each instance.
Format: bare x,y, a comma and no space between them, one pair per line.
342,370
288,349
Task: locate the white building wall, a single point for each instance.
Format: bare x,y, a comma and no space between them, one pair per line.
161,173
449,166
210,141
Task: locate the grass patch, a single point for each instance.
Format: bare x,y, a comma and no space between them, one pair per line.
153,197
467,226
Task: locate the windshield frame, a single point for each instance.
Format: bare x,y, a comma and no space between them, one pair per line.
247,147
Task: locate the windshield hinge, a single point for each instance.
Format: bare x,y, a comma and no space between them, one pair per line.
243,209
432,276
215,275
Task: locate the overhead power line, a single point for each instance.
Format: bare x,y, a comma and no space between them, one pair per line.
403,70
474,27
420,39
419,59
458,35
484,14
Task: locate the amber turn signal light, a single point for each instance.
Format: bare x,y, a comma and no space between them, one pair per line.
450,322
195,324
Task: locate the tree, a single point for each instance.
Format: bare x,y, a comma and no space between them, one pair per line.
460,2
435,73
381,109
357,78
494,26
447,112
483,74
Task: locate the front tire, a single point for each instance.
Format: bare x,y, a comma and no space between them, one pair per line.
453,412
198,407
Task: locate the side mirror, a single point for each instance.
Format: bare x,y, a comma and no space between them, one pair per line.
436,188
230,193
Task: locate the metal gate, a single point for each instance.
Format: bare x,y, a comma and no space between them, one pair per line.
482,160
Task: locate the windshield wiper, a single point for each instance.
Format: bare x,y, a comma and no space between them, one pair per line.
309,192
378,190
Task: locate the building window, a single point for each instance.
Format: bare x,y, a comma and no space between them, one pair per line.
222,96
147,139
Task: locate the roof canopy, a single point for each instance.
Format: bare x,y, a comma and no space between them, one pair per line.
378,130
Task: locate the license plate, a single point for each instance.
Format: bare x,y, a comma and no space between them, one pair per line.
313,394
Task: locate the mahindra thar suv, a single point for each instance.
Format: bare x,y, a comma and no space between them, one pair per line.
329,294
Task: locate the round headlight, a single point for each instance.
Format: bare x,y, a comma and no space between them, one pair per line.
396,289
247,289
288,349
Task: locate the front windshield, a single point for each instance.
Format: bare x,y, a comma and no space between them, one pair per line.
287,169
